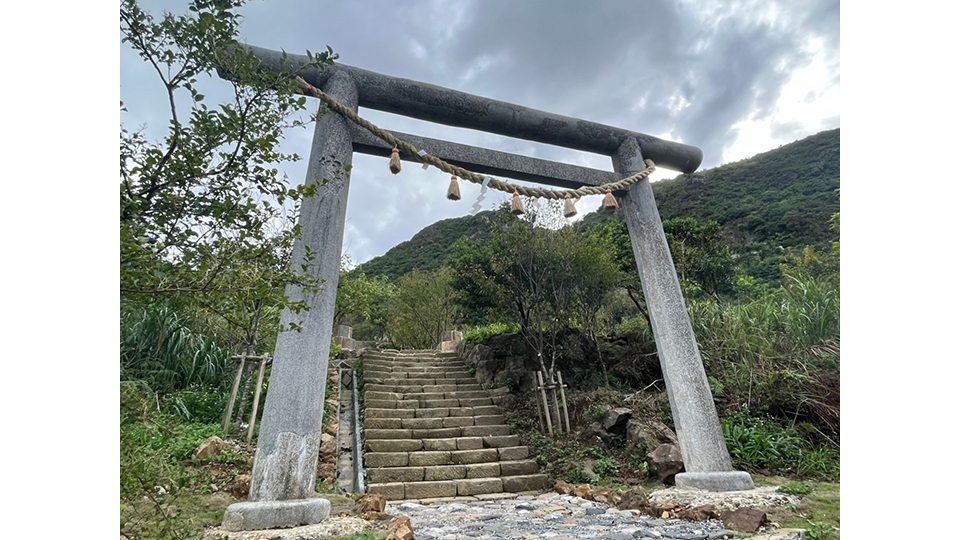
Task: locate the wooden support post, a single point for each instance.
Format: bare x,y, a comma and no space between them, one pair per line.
546,408
536,400
563,397
233,394
556,402
256,398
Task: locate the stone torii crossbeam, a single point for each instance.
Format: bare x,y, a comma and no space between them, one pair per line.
282,488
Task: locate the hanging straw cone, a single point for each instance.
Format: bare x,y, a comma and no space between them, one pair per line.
569,209
609,202
517,205
395,161
453,192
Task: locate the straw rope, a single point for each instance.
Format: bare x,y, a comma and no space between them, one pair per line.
413,152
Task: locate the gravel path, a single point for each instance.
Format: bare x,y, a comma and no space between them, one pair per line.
558,517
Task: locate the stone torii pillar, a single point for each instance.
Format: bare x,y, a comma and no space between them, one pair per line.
702,444
282,486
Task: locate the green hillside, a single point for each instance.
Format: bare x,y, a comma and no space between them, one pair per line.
428,248
766,204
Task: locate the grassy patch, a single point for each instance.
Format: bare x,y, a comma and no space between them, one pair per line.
818,511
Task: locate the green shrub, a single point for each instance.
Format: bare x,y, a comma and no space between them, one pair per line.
759,442
795,488
606,467
481,334
197,405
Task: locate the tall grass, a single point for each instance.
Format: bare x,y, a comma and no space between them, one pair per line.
777,354
158,347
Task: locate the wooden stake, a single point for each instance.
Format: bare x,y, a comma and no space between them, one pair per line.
256,399
233,395
546,408
536,399
563,397
556,402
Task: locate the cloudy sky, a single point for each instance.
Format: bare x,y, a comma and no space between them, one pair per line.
734,78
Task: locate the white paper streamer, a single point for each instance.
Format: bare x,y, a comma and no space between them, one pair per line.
423,153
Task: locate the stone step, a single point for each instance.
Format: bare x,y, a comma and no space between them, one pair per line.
427,403
440,412
505,452
436,433
432,423
432,391
413,365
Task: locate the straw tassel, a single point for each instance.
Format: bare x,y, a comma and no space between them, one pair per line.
395,161
569,209
609,202
453,192
517,205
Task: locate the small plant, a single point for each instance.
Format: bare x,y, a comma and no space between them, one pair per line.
795,488
606,466
818,530
481,334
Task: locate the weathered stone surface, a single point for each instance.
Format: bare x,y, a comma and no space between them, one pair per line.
474,456
391,491
479,485
594,434
395,474
371,502
239,487
744,519
699,513
511,453
651,433
444,472
434,445
418,459
563,488
246,516
210,448
483,470
635,499
530,482
424,490
400,529
665,462
469,443
386,459
394,445
715,481
615,420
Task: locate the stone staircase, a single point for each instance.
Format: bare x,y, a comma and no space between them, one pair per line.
430,431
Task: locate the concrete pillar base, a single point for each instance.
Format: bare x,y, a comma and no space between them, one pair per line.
715,481
249,516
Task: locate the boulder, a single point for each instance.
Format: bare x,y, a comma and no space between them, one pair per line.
595,435
665,462
400,529
615,420
239,487
744,519
371,502
635,499
699,513
586,469
651,433
563,488
210,448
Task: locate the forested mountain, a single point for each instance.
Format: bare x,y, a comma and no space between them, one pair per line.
775,200
428,248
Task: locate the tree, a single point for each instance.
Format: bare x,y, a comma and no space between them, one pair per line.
422,307
702,260
207,199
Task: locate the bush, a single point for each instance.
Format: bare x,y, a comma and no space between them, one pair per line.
762,443
197,405
482,334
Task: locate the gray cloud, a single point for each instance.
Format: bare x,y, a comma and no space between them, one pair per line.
689,70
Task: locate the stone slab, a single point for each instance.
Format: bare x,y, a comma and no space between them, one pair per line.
420,490
248,516
715,481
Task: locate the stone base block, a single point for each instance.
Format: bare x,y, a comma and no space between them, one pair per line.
715,481
248,516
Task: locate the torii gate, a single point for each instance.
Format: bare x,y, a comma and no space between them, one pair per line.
282,491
